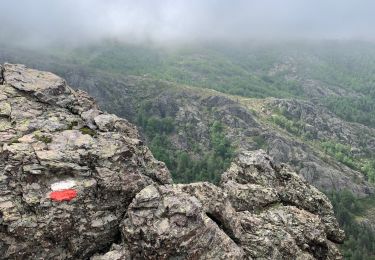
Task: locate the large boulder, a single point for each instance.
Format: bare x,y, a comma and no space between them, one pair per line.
55,140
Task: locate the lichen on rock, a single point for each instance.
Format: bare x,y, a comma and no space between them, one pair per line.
41,144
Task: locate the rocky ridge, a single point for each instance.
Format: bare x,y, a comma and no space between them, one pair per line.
324,125
246,120
125,205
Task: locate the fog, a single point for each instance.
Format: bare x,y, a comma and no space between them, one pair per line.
41,22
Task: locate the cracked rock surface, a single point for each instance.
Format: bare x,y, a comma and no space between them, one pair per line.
51,133
124,206
260,211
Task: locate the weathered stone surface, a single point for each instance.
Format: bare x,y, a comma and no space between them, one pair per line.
116,252
289,198
45,139
1,75
164,222
278,184
123,204
261,211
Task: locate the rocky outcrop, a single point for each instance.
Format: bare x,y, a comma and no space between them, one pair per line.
50,133
321,124
77,183
260,211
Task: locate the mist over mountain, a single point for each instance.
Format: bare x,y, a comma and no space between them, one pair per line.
44,22
246,128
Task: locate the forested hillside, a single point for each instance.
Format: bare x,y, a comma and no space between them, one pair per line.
339,75
311,105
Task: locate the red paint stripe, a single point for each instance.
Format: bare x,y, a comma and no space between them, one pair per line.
62,195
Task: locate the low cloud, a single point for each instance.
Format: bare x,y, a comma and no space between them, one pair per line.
41,22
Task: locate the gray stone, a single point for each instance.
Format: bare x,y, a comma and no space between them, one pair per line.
45,144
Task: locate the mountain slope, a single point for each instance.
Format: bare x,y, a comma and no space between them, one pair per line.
77,183
310,105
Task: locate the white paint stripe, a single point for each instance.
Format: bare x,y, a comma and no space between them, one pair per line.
63,185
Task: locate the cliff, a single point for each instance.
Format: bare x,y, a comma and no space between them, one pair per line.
78,183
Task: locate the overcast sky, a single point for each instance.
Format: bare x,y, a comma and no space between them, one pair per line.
162,21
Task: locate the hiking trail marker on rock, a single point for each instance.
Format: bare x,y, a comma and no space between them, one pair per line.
63,191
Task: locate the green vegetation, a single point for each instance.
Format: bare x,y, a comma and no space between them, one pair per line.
294,127
365,162
356,109
72,125
184,166
360,242
14,140
254,71
213,67
43,138
87,131
369,169
290,70
343,153
260,141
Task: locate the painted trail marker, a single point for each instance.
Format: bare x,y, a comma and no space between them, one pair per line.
63,191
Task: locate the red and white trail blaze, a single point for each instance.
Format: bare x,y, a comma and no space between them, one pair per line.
63,191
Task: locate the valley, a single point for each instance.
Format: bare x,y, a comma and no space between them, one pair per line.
310,105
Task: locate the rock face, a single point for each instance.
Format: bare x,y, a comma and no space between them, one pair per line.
77,183
260,211
51,133
323,125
